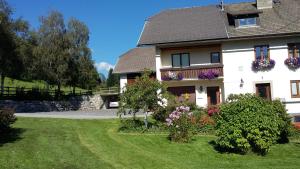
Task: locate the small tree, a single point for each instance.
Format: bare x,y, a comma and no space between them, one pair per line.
145,94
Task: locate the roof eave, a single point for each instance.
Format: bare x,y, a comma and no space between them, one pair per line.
218,40
127,72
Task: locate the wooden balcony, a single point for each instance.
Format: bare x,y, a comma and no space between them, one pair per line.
193,71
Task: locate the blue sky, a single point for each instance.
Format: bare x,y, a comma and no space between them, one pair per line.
115,25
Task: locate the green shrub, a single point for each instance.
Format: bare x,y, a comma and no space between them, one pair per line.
7,118
138,125
285,124
131,124
180,125
250,122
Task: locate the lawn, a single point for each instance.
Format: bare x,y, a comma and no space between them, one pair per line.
76,144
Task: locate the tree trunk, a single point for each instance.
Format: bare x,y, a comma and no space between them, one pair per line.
146,119
58,88
2,84
58,91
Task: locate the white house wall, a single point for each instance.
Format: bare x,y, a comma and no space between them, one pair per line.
198,55
123,82
201,96
237,60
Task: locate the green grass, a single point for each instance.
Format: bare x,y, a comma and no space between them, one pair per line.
75,144
34,84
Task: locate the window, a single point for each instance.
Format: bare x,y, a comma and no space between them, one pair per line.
181,60
263,90
243,22
262,52
294,50
215,57
295,88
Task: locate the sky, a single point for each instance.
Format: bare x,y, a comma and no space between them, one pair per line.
115,25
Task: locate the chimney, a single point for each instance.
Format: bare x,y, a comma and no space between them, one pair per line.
264,4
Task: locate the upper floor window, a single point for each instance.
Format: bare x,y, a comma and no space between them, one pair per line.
294,50
295,88
262,53
243,22
181,60
215,57
262,60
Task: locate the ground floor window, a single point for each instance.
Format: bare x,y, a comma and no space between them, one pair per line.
295,88
184,93
263,90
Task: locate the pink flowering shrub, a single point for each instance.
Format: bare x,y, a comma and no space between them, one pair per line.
180,124
213,110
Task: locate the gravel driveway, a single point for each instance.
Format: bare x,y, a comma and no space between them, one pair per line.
100,114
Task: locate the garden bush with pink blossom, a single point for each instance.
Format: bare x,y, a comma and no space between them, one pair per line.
180,125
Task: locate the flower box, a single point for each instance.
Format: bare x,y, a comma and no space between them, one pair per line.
292,62
209,74
260,65
172,76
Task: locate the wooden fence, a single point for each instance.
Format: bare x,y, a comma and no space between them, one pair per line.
21,93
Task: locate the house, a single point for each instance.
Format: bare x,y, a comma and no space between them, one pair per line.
204,54
132,63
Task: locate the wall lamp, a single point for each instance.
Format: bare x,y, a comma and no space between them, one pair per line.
242,82
201,89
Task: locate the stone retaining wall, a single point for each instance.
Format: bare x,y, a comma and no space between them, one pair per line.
90,103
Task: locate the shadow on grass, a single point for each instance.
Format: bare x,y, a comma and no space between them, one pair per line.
11,135
222,150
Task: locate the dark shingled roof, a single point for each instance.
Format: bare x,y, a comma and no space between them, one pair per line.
184,24
209,23
136,60
283,18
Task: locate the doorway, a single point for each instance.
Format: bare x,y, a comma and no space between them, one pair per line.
213,96
263,90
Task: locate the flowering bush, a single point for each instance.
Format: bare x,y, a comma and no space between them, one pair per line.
210,74
180,124
213,110
172,76
263,64
292,63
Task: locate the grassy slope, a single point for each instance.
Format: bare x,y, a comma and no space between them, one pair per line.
58,143
37,84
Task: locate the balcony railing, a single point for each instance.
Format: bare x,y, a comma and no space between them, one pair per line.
192,72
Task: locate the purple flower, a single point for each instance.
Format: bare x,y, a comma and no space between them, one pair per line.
292,63
210,74
172,76
179,76
263,64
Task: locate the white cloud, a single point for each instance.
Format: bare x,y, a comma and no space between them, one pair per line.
104,66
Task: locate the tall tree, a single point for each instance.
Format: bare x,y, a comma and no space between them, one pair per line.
88,75
8,57
53,49
25,43
112,79
78,36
